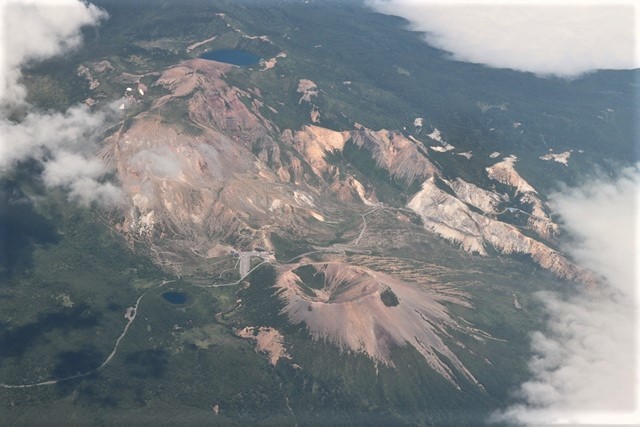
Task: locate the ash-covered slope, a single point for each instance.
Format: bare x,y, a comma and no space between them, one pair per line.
365,311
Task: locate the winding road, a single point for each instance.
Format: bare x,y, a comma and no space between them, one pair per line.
106,361
244,260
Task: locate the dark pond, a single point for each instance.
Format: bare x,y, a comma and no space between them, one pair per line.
231,56
175,297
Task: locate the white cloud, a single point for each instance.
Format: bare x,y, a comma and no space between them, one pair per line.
87,190
563,38
161,162
68,167
41,134
602,214
65,143
33,30
586,368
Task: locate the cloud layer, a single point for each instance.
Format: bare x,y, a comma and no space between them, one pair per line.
35,30
65,142
585,369
564,39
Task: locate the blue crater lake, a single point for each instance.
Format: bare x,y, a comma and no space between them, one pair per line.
175,297
231,56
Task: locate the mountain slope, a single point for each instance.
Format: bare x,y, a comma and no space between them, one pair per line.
357,223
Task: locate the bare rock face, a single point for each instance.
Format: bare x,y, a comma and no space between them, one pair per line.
314,143
214,175
202,184
308,89
220,171
369,312
392,151
83,71
505,173
174,179
558,157
450,218
395,153
213,104
185,78
350,189
268,340
539,221
486,201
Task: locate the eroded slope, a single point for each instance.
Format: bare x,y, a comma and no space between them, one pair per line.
361,310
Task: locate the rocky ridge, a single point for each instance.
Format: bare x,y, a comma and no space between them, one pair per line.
505,173
208,173
452,219
228,175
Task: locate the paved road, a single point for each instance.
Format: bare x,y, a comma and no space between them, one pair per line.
245,260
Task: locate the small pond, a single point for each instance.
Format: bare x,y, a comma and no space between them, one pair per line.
175,297
231,56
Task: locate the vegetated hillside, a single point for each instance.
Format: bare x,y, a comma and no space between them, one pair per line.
394,200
